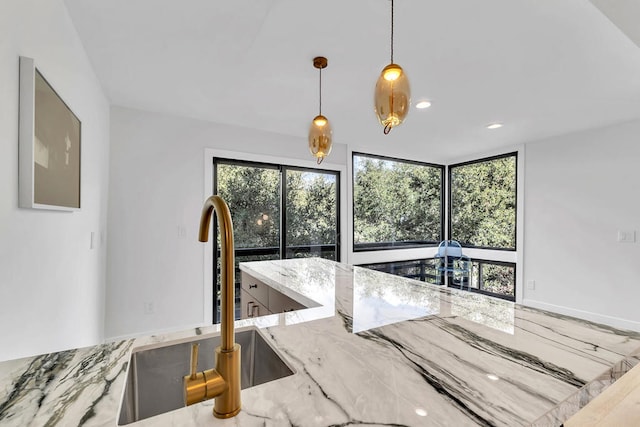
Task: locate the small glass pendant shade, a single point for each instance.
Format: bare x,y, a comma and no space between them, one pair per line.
320,138
392,97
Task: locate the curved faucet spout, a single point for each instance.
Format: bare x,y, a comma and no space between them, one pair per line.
227,273
223,382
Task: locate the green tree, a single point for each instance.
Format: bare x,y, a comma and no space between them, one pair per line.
483,203
311,208
253,196
396,201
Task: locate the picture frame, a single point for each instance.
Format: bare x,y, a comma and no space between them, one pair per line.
49,145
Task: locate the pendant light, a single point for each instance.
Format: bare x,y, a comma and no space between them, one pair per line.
393,94
320,132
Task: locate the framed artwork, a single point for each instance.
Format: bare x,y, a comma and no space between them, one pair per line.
50,140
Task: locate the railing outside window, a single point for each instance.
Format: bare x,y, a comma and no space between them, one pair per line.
492,278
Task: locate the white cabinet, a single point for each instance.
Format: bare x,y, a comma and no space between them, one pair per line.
256,288
254,297
251,307
280,303
259,299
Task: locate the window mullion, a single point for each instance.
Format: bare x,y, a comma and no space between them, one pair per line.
283,212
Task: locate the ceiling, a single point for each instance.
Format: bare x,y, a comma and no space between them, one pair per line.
542,67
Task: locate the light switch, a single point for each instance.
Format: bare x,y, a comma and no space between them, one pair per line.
92,243
531,284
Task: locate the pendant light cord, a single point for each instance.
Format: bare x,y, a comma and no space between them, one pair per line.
320,159
320,90
388,126
392,31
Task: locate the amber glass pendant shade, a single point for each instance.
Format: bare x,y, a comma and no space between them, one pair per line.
392,97
320,138
320,132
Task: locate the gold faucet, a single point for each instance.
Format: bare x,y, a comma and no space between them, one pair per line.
223,382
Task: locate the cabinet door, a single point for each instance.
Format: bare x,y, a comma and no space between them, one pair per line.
251,307
254,287
280,303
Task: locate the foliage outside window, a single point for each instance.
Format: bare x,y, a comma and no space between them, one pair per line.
308,208
396,203
253,196
494,278
483,203
267,199
311,214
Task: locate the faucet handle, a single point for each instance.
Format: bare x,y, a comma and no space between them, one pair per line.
199,386
194,359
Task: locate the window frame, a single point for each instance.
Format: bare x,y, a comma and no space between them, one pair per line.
283,203
282,241
423,264
244,163
479,290
513,154
282,168
395,245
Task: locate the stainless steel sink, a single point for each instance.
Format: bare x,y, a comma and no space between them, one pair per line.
154,378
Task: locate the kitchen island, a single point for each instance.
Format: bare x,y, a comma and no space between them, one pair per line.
371,349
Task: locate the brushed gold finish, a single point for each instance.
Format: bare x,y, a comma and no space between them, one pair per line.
206,385
227,272
194,360
228,365
223,382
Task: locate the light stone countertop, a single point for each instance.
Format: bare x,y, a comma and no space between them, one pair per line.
372,349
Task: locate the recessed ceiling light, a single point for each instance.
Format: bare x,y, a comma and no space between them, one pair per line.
423,104
494,126
421,412
493,377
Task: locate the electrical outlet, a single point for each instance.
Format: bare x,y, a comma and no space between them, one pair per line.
627,236
149,307
531,284
182,232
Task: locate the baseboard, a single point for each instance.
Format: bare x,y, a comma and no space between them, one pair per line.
616,322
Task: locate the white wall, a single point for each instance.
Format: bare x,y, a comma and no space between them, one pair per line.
51,282
581,189
156,194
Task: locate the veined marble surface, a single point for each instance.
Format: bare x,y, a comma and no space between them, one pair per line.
372,349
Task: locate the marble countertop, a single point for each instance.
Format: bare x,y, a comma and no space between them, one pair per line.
372,349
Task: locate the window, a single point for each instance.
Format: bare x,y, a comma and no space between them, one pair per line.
311,214
265,199
494,278
424,270
482,202
396,203
252,192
